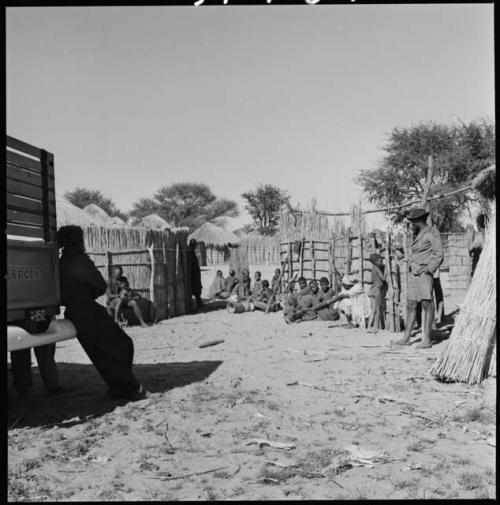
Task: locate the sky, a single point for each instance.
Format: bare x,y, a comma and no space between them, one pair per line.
130,99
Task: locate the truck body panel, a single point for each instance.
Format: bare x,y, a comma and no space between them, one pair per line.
32,278
33,293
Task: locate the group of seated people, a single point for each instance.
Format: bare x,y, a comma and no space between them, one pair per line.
313,301
260,293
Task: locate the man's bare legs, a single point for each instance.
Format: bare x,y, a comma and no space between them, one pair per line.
411,314
428,321
137,312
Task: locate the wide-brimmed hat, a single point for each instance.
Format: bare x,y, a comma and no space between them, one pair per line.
417,213
349,280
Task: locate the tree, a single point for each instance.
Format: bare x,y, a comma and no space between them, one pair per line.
459,152
264,205
81,197
185,204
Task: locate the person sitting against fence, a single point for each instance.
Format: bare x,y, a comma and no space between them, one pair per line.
377,292
218,286
127,298
350,290
112,288
229,284
304,289
242,288
302,308
264,297
323,303
276,285
257,283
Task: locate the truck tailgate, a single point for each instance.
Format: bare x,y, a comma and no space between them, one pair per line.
32,277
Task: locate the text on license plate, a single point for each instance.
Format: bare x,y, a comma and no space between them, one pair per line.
36,314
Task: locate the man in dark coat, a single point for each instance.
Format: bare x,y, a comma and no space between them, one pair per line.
426,255
195,273
109,348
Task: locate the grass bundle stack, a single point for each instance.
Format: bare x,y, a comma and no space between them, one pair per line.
468,355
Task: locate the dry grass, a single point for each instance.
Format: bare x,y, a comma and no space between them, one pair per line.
470,480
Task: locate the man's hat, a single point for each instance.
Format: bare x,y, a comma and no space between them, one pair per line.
417,213
375,258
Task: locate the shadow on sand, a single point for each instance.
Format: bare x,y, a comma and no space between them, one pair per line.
86,392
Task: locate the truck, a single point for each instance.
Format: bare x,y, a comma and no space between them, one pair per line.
33,293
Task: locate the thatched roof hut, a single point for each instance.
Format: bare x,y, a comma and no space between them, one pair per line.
69,214
155,222
116,222
100,217
214,236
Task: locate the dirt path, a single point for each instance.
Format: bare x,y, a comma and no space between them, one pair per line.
208,406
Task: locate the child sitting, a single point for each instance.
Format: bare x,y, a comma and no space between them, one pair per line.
127,298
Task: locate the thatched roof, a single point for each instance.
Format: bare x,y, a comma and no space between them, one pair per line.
116,221
100,217
154,221
67,214
214,236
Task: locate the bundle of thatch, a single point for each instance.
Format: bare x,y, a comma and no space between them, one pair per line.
116,221
69,214
214,236
154,222
467,357
99,216
485,182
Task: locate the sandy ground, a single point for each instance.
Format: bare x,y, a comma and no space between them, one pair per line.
418,438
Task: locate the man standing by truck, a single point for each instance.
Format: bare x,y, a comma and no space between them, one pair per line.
21,369
109,348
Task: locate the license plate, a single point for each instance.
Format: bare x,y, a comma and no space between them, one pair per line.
36,314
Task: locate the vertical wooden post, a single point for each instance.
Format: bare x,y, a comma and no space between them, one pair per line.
313,261
109,260
301,257
290,261
153,272
331,263
390,321
405,263
348,253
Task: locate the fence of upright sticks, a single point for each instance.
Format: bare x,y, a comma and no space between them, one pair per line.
156,264
313,247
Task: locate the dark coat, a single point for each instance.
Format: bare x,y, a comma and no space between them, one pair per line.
110,349
195,273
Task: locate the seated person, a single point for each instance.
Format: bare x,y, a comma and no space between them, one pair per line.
257,284
112,290
377,292
126,298
218,286
261,298
302,308
322,307
351,289
230,283
242,288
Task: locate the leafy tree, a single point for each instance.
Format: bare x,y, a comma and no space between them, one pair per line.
459,152
264,205
185,204
81,197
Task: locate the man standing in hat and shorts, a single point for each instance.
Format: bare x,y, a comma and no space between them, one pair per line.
426,255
